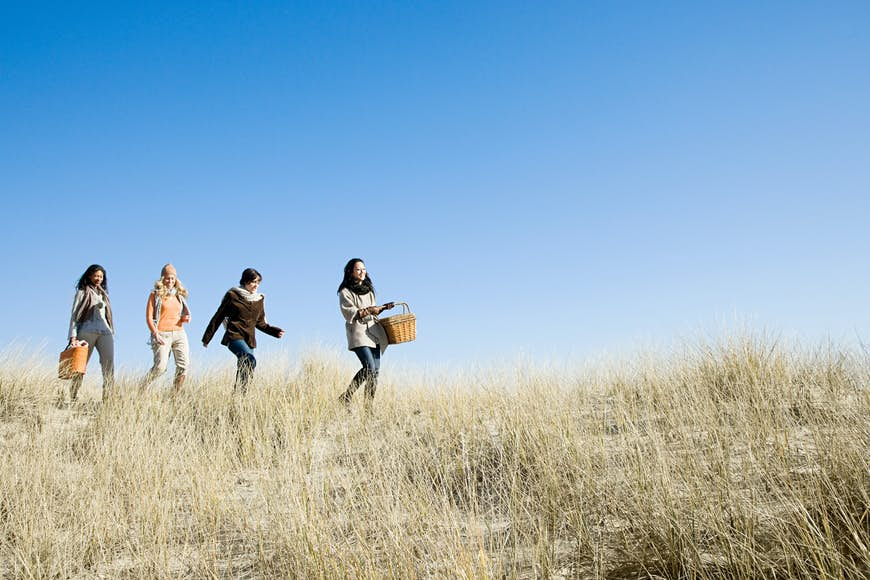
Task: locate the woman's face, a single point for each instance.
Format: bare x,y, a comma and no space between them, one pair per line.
359,272
252,285
96,279
169,280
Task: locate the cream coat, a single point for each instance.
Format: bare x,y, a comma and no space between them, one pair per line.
361,332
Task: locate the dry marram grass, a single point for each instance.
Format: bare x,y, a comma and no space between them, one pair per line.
737,459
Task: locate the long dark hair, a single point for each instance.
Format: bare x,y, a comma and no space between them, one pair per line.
348,280
249,275
85,280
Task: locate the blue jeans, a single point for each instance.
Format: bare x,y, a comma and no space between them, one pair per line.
370,358
246,363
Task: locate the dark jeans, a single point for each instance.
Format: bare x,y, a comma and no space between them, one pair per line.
370,357
246,363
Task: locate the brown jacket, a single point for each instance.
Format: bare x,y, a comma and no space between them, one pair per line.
242,317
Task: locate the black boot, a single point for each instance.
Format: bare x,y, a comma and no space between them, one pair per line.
355,382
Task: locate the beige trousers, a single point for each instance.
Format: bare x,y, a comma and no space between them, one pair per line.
174,342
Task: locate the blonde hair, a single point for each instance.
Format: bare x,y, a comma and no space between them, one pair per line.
162,291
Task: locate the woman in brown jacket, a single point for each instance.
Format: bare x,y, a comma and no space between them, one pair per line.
242,311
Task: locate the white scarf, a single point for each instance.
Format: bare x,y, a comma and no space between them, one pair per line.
249,296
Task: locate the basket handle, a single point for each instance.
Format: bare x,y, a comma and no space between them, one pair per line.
405,308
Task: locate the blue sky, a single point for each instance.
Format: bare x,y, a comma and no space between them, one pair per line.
559,179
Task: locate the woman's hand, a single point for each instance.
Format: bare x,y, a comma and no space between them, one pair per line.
280,333
74,342
184,319
374,310
155,337
389,305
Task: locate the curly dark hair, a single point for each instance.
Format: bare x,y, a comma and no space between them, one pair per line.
85,279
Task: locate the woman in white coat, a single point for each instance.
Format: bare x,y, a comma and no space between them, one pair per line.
365,336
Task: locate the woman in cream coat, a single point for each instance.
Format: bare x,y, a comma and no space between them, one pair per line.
365,336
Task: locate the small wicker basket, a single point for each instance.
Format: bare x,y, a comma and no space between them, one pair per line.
400,327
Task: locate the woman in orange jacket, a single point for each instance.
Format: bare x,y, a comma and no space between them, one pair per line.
165,313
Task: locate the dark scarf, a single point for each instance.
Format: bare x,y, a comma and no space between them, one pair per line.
362,288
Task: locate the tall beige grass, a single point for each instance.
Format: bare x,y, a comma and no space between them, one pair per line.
743,458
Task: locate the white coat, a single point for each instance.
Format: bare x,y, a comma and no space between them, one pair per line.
361,332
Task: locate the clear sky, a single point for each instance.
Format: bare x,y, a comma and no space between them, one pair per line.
558,179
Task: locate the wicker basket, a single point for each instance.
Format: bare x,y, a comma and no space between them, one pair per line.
400,327
73,362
